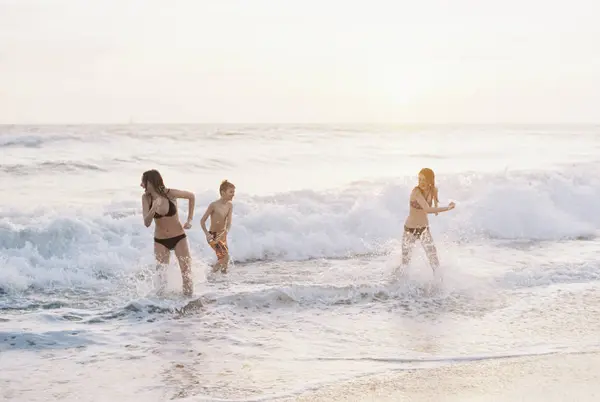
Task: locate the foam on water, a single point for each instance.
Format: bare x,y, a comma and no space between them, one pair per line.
84,247
312,295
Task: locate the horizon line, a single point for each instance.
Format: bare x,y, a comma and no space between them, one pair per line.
302,124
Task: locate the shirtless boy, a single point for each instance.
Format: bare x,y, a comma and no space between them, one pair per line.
220,212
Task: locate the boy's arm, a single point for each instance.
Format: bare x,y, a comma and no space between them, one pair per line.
208,212
229,215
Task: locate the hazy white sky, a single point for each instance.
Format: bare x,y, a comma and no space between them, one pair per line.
219,61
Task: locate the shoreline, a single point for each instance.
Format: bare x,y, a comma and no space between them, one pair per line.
548,378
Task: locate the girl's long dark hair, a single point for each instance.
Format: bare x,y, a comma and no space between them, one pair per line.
153,177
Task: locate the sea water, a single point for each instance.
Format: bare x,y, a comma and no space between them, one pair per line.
311,296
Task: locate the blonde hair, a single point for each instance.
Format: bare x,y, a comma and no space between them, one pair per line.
225,185
430,178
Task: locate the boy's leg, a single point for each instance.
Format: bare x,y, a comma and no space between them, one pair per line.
224,263
223,255
222,252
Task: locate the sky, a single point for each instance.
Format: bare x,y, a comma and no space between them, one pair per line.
285,61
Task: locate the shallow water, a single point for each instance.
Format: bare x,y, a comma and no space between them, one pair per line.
311,297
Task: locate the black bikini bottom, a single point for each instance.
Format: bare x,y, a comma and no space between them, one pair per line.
171,242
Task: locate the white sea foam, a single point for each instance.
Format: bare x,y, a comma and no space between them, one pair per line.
79,245
315,240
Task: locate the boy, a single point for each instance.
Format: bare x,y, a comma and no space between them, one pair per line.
220,212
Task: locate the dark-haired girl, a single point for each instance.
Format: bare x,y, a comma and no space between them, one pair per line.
160,204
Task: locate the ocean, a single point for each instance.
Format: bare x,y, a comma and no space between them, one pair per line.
311,297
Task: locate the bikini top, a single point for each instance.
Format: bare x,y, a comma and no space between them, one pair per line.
172,210
415,204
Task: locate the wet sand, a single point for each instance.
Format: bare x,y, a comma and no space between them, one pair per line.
549,378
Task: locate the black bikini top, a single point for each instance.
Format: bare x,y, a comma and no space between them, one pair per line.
172,210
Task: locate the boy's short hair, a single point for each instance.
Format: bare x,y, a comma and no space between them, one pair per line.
225,185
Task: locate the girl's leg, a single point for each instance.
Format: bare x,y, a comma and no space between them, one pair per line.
408,241
430,250
182,252
162,254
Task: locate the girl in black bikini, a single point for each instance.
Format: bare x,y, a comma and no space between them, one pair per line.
159,204
417,224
